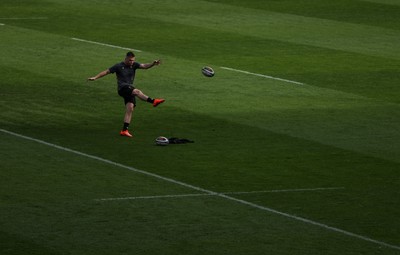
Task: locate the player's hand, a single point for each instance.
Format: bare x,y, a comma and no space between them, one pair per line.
91,79
157,62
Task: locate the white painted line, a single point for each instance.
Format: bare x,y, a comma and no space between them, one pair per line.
22,18
225,193
281,190
240,201
108,162
344,232
261,75
153,197
104,44
1,24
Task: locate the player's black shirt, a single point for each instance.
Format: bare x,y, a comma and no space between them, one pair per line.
125,73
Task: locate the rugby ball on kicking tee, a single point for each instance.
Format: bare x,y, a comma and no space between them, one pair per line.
161,140
207,71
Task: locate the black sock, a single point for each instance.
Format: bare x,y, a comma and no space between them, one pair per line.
150,100
126,126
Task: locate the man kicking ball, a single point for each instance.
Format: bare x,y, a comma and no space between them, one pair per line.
125,72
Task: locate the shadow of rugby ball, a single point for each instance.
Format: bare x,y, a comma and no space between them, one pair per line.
161,140
207,71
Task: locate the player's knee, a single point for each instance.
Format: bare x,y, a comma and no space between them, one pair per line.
136,92
129,107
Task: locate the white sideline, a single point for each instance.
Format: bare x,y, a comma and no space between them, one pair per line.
225,193
22,18
263,208
153,197
104,44
261,75
280,190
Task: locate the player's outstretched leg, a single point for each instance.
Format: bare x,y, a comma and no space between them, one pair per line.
143,97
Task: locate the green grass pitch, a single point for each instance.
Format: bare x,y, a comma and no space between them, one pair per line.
297,142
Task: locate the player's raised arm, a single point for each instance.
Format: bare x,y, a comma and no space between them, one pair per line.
150,65
101,74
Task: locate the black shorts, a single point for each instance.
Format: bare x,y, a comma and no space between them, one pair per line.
126,93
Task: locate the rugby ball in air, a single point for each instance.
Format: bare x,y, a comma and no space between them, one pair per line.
161,140
207,71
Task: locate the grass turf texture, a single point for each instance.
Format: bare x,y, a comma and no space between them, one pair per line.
340,129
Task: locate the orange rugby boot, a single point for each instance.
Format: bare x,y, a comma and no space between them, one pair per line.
158,101
125,133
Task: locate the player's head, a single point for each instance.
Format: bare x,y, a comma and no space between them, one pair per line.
130,54
130,58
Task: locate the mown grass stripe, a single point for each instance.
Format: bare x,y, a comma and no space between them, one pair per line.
240,201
